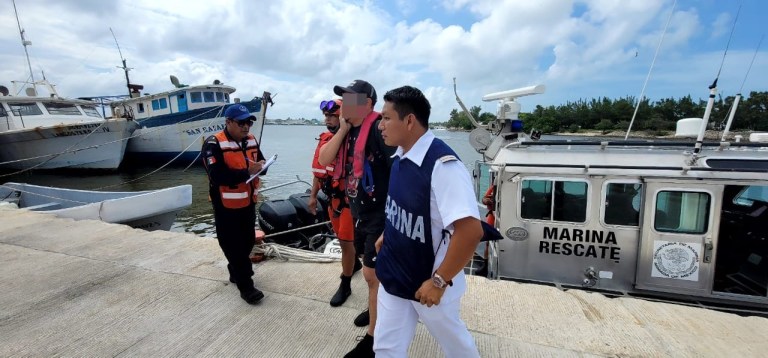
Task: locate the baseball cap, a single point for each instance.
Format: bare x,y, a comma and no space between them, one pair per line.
237,112
357,86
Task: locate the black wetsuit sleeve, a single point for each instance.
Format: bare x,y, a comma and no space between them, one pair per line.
218,171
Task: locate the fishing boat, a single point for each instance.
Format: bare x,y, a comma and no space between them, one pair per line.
51,132
149,210
41,130
173,124
678,220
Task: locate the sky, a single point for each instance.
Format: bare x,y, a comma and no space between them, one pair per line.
299,49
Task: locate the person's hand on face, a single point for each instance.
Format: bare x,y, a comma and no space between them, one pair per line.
354,106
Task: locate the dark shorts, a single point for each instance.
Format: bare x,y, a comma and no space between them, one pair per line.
366,233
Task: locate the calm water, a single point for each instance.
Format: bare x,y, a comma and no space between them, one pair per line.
294,145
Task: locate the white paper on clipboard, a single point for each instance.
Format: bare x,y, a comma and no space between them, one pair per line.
269,162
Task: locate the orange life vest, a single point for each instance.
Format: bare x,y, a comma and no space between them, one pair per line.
322,171
242,194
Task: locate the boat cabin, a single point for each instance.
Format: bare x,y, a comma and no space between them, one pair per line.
633,219
179,100
676,220
34,110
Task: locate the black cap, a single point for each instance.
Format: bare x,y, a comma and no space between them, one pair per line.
357,86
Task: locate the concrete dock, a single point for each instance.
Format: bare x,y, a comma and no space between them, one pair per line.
88,288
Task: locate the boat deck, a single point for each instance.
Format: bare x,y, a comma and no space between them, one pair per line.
89,288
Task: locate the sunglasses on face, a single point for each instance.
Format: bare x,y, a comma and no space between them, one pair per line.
243,123
329,106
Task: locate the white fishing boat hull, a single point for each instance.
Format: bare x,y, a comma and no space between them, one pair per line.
174,124
91,145
149,210
182,140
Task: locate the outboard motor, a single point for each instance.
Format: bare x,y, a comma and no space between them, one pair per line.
300,203
280,215
277,216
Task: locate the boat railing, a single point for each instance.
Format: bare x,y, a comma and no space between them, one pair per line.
622,143
298,180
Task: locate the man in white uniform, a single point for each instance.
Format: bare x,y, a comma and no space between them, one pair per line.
431,231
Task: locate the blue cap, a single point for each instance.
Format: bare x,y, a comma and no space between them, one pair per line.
237,112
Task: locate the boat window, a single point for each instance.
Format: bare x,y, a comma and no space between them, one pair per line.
62,109
554,200
141,107
622,204
25,109
482,172
219,97
750,194
3,113
91,111
196,97
208,96
682,212
226,97
570,201
160,103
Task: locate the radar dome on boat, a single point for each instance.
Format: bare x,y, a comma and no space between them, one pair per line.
688,127
759,137
175,81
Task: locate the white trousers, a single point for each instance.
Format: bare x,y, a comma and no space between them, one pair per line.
396,324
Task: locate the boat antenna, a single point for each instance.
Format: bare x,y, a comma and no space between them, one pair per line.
25,43
469,114
124,67
736,100
713,90
648,77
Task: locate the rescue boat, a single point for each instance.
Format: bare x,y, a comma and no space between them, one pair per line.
673,220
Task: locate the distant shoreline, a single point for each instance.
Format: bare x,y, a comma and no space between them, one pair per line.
710,134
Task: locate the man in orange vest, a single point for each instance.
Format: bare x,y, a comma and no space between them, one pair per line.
338,210
231,157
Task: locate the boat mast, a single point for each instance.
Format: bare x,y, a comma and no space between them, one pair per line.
25,43
738,95
648,77
713,91
125,66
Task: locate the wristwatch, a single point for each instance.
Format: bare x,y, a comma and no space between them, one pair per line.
440,282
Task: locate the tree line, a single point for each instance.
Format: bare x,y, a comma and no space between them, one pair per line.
608,114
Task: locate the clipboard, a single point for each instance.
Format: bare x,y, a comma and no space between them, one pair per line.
269,162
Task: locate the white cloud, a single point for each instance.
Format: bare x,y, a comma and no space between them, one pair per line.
300,49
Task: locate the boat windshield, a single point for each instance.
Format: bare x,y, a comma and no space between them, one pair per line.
91,111
62,109
25,109
750,194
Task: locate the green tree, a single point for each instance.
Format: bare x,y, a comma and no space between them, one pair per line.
605,126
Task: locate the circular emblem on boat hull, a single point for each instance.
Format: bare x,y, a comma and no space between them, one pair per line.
677,260
516,233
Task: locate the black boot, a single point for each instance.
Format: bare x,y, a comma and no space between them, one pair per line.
249,293
252,296
363,319
364,348
343,292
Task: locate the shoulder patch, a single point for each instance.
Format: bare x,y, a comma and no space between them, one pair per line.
447,158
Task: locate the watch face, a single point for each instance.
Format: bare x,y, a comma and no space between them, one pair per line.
438,281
